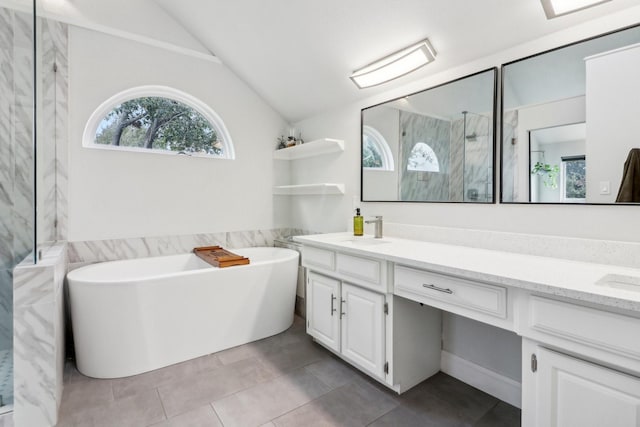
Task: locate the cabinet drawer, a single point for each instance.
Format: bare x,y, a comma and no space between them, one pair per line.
318,258
365,271
598,329
480,297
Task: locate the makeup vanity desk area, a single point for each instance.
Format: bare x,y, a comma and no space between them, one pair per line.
377,304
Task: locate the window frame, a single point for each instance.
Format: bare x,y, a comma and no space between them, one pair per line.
98,115
563,179
382,145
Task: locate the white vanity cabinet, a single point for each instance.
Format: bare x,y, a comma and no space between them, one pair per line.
323,302
581,366
350,311
580,333
567,391
348,319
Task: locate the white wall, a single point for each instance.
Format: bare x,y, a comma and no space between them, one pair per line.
116,194
613,89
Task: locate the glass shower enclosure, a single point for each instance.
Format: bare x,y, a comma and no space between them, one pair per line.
17,170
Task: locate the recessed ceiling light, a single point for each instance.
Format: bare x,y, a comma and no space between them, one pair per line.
395,65
555,8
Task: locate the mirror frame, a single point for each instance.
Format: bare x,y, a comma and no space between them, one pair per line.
502,202
494,142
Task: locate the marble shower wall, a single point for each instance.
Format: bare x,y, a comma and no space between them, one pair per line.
471,173
424,186
510,156
52,137
16,155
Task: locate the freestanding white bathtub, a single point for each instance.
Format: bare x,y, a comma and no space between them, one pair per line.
134,316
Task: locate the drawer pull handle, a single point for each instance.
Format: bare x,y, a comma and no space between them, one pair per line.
437,288
342,313
333,310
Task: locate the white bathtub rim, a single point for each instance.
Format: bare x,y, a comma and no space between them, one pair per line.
71,276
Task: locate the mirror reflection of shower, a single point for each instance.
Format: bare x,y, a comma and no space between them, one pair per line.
477,179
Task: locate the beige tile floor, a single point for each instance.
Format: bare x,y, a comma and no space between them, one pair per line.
285,380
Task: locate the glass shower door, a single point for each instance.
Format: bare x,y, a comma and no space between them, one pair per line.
17,228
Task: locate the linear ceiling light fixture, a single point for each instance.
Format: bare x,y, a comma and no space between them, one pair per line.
395,65
555,8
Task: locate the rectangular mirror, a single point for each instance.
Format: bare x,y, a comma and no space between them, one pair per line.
568,123
436,145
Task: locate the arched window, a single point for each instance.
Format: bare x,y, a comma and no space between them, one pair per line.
376,153
158,119
423,158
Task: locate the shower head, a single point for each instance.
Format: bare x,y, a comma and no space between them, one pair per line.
472,137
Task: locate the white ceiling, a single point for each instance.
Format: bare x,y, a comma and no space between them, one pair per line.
298,54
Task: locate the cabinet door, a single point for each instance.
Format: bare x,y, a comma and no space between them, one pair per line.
363,328
571,392
323,316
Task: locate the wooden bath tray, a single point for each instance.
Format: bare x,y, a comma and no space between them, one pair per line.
219,257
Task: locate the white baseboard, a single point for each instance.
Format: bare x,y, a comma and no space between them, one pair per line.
484,379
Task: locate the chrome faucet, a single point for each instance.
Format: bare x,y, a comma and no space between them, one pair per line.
378,223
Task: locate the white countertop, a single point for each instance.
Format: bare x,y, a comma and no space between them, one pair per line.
565,278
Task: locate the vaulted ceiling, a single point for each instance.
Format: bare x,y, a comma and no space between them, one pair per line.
298,54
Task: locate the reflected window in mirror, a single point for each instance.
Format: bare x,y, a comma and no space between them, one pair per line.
376,153
442,141
423,158
571,102
574,179
549,150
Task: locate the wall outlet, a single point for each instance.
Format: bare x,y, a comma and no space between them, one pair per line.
605,187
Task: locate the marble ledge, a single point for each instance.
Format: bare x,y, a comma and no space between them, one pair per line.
91,251
575,280
39,283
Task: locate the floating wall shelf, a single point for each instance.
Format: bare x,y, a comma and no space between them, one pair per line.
310,149
309,189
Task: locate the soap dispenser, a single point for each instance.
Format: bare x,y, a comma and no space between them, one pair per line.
358,224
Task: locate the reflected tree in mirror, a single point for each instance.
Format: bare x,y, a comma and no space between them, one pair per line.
371,157
158,123
376,153
423,158
574,173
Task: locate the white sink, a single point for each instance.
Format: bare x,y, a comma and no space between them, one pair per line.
616,281
364,241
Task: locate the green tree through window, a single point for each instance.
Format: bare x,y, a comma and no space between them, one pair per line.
158,123
371,157
575,178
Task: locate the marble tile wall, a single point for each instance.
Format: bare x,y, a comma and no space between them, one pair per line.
110,250
39,337
456,176
510,156
16,156
434,132
477,156
52,141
